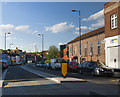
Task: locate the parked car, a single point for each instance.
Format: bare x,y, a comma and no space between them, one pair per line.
56,63
42,64
4,65
48,65
38,64
73,66
95,68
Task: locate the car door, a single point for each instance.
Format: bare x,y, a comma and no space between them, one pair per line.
83,66
88,67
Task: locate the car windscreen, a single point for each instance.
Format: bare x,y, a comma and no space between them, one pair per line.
73,63
99,64
60,61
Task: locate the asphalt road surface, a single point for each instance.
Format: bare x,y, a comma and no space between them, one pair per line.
21,82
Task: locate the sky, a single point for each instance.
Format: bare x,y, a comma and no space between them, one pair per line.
55,20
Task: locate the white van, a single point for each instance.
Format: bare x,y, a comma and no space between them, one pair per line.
56,63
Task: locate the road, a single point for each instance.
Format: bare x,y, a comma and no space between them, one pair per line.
19,81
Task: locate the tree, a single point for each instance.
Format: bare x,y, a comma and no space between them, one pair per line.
53,52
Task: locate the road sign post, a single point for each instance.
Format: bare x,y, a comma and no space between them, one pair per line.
64,69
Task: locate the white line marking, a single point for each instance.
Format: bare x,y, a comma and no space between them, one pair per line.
34,71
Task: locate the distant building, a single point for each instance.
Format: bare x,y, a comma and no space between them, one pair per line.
62,47
92,47
66,53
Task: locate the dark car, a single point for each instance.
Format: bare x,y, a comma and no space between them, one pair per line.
95,68
4,65
73,66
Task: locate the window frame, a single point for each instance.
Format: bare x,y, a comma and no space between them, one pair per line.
85,50
98,48
114,21
91,48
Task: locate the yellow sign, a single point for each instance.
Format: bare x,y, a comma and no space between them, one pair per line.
64,69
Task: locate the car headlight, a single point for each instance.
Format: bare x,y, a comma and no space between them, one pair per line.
101,69
112,70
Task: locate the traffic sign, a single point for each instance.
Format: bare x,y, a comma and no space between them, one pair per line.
64,69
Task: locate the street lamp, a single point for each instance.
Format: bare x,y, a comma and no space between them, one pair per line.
79,31
5,38
42,41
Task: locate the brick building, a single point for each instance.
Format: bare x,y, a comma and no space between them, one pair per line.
112,34
92,46
102,42
62,53
66,53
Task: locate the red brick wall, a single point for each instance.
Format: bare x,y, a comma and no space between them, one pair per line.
108,4
108,31
93,39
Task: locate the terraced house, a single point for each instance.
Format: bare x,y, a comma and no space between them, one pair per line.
102,44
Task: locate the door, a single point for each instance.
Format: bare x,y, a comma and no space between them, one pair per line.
112,59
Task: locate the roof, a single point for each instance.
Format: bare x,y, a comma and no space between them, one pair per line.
89,34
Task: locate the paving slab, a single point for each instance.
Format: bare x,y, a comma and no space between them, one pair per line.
55,78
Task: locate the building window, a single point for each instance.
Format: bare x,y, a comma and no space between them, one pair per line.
75,49
70,49
85,50
113,21
98,47
91,48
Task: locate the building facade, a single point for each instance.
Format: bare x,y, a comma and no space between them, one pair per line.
66,53
92,47
62,47
112,34
102,44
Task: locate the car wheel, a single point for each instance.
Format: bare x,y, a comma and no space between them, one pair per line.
70,70
81,72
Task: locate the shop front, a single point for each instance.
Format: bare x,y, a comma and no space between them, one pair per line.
112,51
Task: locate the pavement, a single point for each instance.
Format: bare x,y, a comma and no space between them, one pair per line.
85,77
55,78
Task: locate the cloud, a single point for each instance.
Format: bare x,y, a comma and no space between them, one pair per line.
95,16
97,20
99,23
84,29
6,28
22,28
60,43
34,32
11,38
61,27
15,29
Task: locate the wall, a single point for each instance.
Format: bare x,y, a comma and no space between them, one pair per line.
65,53
110,9
87,41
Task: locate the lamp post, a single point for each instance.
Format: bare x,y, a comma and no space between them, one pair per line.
79,31
5,38
42,41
